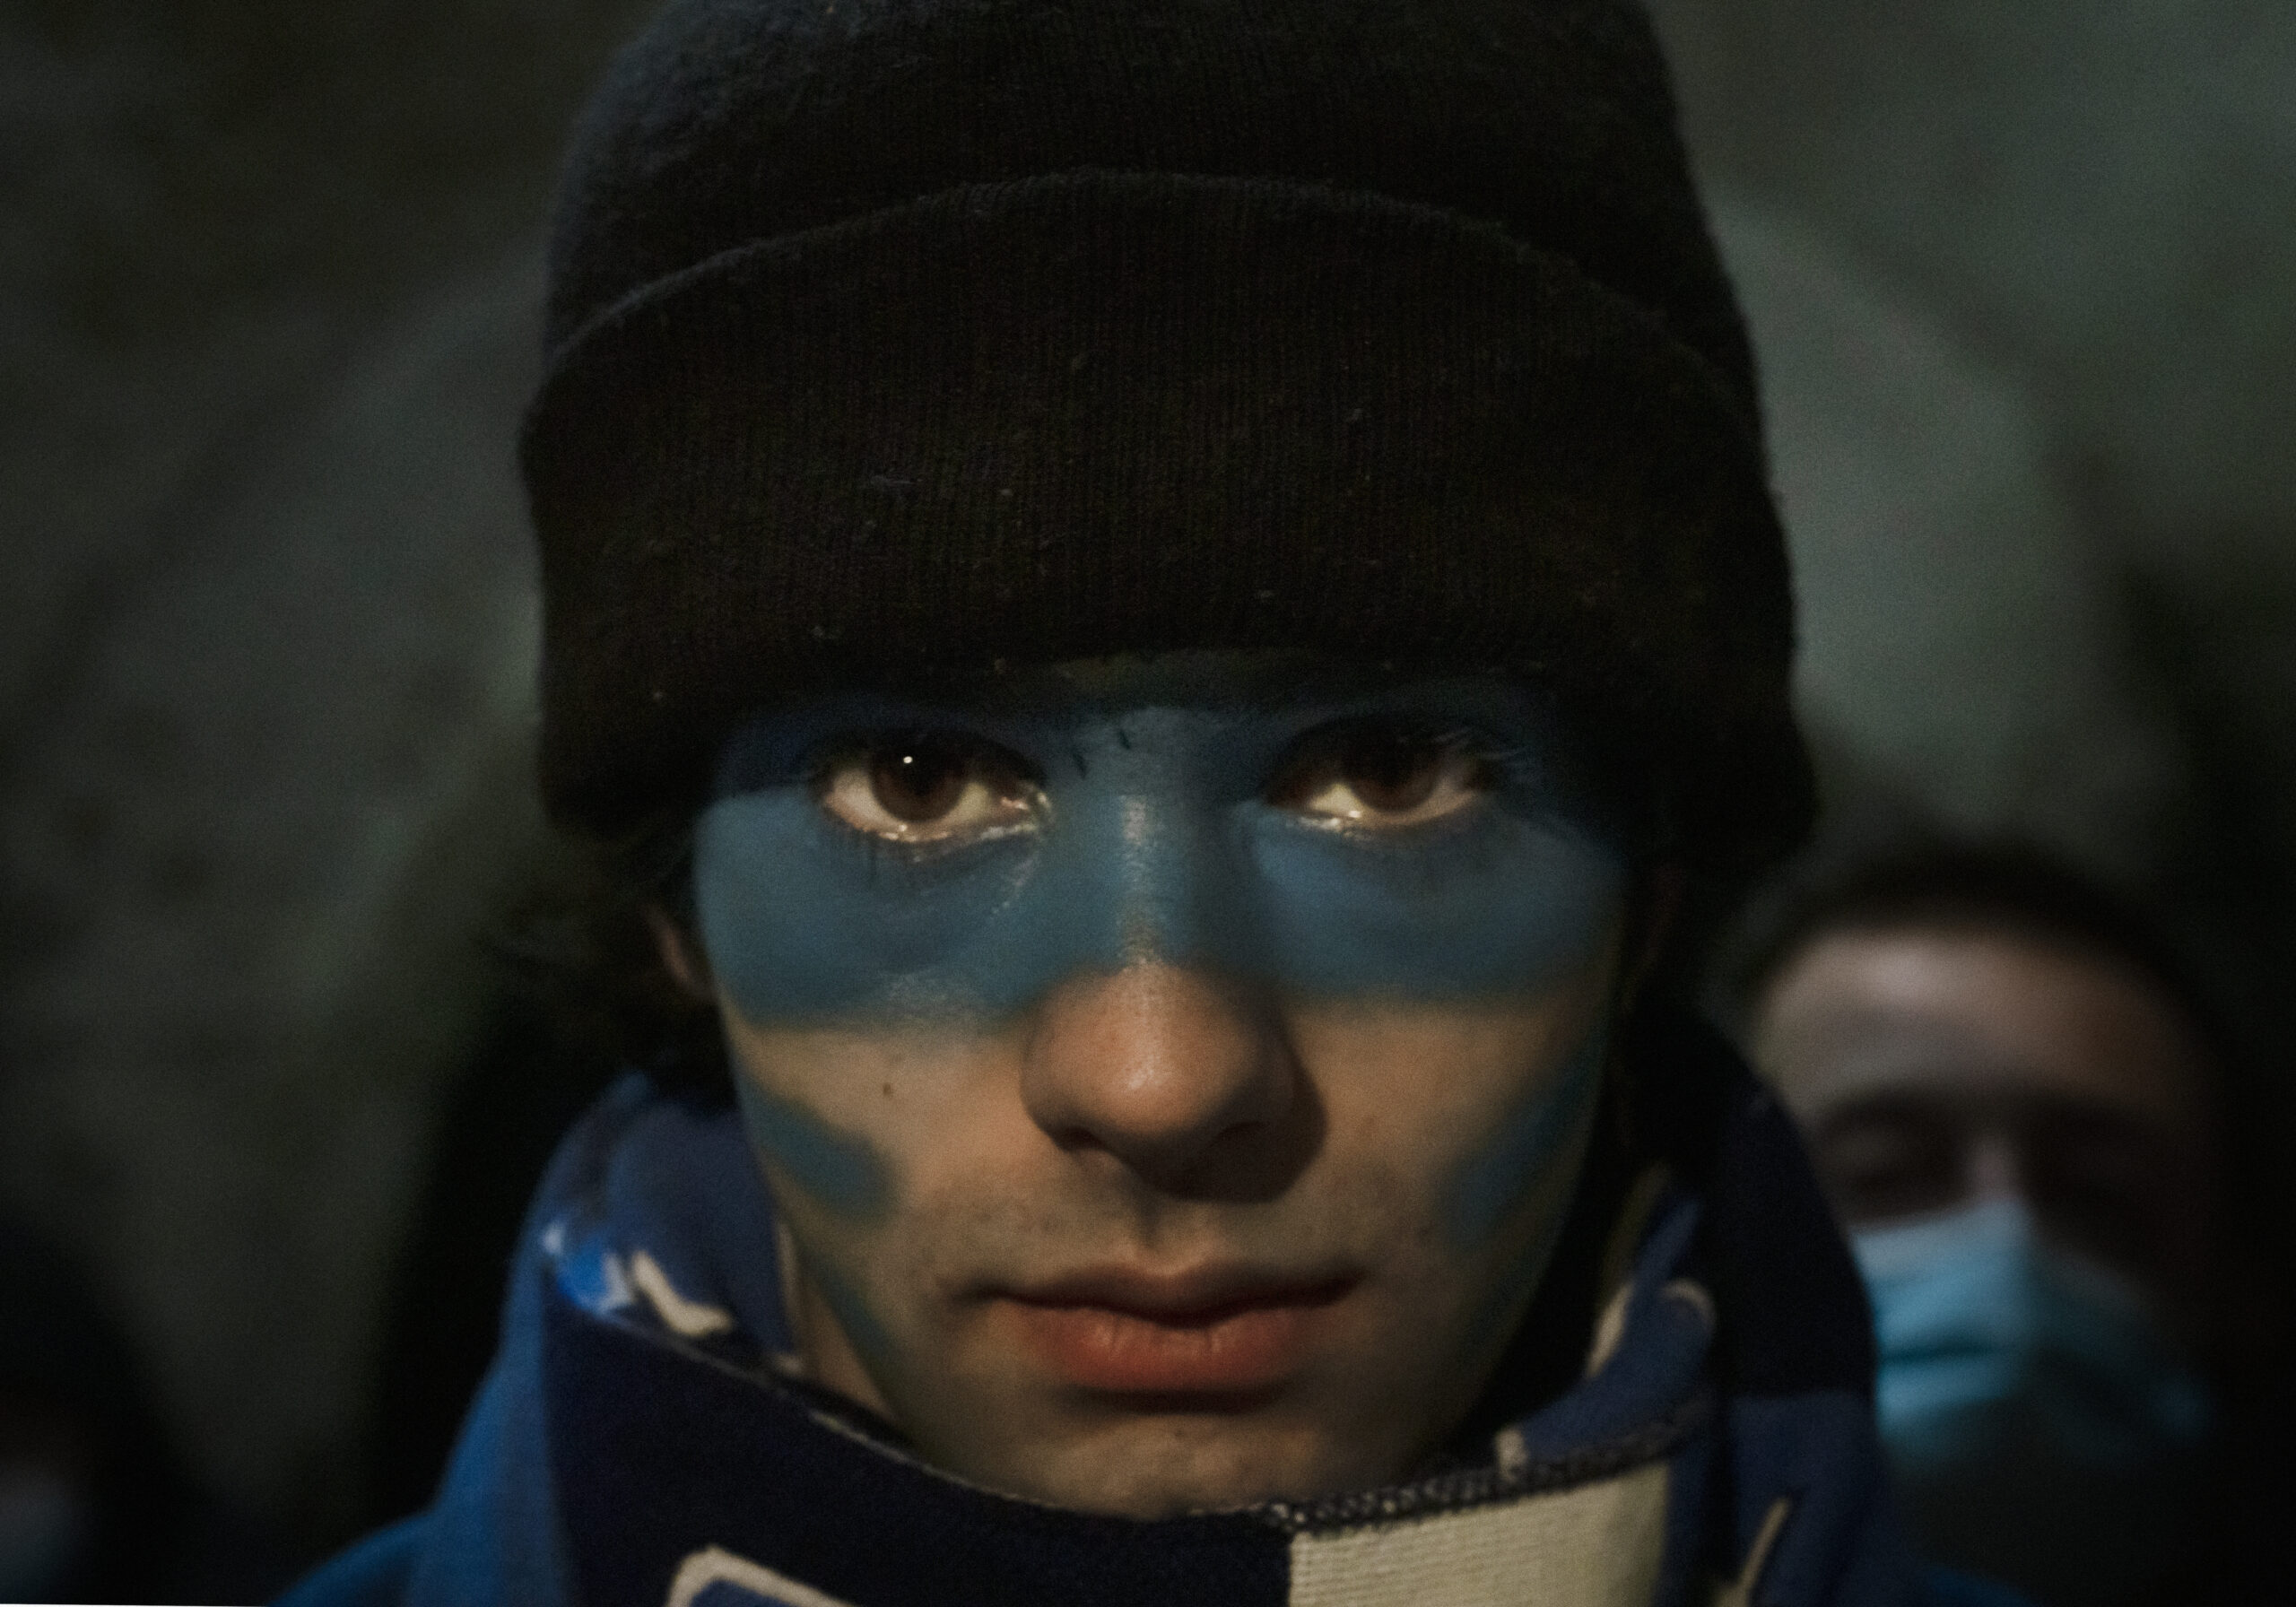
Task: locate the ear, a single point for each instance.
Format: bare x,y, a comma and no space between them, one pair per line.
680,956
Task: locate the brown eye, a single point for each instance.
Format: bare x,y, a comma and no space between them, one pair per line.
1380,778
930,789
1392,774
918,782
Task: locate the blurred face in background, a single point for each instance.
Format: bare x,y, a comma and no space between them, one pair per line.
2019,1134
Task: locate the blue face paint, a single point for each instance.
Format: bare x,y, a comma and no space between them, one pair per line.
1520,1154
1508,1172
1156,839
838,1170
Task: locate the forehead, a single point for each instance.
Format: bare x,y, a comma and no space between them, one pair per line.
1980,1015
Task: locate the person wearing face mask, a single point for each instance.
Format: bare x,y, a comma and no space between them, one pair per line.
1164,612
2012,1093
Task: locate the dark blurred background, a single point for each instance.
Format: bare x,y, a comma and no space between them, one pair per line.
2023,278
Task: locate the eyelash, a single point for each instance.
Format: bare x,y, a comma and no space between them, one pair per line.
1511,764
1515,764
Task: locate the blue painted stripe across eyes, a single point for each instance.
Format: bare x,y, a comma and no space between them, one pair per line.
1156,841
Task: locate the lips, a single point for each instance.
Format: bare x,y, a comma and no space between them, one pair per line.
1211,1332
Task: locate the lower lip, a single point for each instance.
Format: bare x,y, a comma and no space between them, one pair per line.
1238,1350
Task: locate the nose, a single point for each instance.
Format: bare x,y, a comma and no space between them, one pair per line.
1176,1075
1994,1169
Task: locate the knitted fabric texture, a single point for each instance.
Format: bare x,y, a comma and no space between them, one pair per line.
904,339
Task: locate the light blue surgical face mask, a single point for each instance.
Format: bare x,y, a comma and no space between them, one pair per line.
2042,1425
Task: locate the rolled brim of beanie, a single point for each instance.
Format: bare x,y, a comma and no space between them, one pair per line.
1098,413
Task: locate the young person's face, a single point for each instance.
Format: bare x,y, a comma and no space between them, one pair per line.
1172,1081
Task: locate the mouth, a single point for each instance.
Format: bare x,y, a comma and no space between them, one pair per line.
1210,1334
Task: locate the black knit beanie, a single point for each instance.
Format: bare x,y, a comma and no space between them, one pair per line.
896,339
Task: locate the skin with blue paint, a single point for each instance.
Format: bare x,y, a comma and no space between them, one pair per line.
1195,976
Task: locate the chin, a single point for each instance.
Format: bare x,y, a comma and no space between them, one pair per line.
1163,1465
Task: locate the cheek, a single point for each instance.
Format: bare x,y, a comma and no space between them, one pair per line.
1477,1118
1513,1266
1522,1149
842,1173
859,1130
1504,1202
1472,1108
806,923
856,1319
831,1145
839,1123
